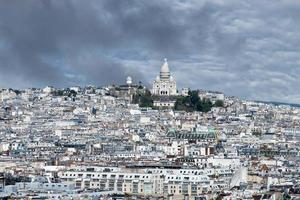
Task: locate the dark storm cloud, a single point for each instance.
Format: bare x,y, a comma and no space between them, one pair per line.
39,35
248,48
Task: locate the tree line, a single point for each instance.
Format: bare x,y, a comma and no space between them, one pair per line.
189,103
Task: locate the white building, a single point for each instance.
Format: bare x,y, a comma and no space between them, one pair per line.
165,84
147,181
48,89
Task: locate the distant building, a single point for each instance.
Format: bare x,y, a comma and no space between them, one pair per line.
167,103
126,90
48,89
129,81
164,84
185,91
212,96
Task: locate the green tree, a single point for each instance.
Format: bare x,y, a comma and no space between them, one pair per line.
146,99
219,103
143,99
180,103
192,102
72,93
205,105
194,97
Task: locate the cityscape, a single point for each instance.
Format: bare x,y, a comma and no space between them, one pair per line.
149,100
131,142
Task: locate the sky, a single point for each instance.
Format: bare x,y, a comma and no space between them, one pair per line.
245,48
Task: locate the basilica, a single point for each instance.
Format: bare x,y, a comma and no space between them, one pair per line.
164,84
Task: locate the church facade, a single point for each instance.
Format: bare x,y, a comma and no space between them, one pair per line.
164,84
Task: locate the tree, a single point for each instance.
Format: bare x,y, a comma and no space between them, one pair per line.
72,93
180,103
207,105
192,102
17,92
194,97
219,103
143,99
146,99
135,98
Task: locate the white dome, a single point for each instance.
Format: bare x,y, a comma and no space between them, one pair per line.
165,67
165,71
157,78
129,80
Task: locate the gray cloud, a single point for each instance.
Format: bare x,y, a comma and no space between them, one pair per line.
247,48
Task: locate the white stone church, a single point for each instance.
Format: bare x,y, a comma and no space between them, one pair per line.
164,84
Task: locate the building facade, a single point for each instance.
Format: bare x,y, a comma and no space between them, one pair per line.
147,181
164,84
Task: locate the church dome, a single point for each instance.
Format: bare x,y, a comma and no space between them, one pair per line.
157,78
165,71
165,67
129,80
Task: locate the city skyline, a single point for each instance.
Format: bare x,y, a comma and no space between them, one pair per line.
243,48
